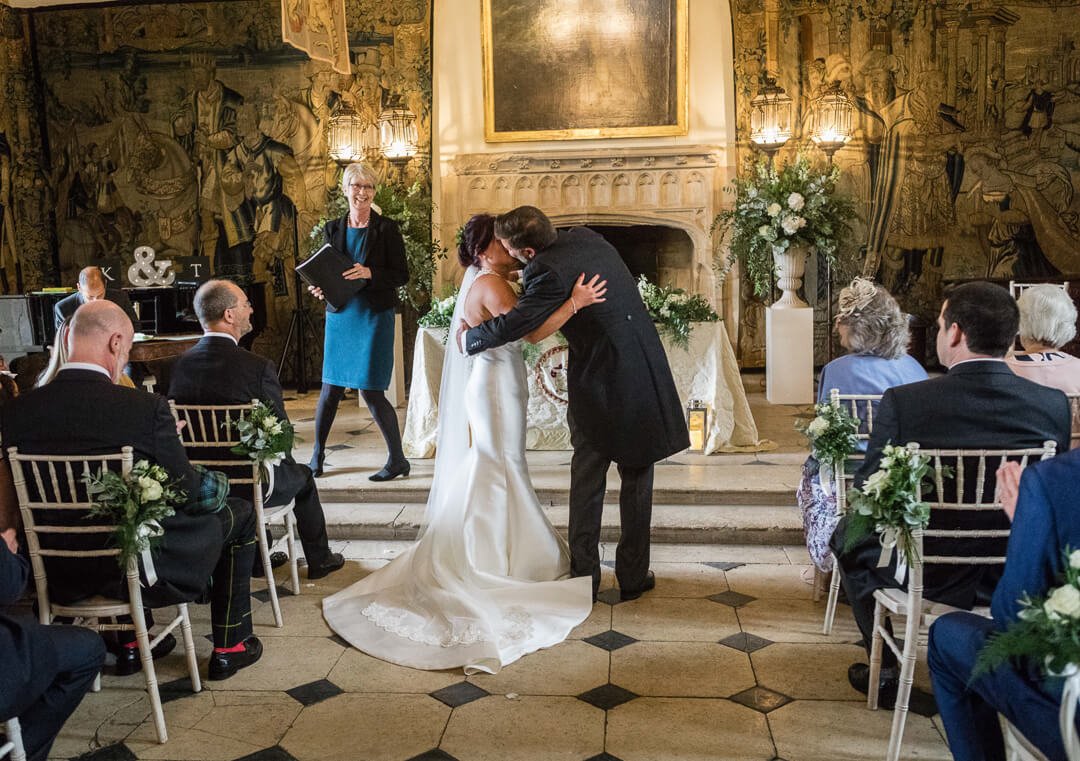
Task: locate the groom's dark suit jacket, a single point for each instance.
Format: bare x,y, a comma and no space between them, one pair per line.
623,401
977,405
82,412
217,371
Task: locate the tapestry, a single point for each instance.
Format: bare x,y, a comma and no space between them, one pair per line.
318,28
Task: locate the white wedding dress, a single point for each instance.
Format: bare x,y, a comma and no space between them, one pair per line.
487,581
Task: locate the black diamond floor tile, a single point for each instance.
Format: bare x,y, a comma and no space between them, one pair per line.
176,689
357,432
114,752
604,757
288,399
725,565
610,640
734,599
610,596
314,692
263,595
746,642
459,694
273,753
435,754
607,696
306,420
339,447
761,699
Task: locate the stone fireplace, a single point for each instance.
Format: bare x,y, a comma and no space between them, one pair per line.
655,205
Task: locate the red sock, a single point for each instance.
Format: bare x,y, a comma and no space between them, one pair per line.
234,649
133,644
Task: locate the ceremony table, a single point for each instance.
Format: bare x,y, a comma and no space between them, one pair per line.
705,371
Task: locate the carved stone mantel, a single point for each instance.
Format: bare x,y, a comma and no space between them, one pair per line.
672,186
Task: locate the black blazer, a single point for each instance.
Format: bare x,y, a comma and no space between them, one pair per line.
977,405
65,307
83,412
217,371
385,258
623,401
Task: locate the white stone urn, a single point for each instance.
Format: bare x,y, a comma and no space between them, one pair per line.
790,267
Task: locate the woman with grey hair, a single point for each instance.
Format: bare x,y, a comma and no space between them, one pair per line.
875,332
358,349
1047,322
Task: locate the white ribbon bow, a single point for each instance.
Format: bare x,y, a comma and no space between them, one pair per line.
147,531
891,541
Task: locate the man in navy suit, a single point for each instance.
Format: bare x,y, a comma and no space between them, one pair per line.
1045,521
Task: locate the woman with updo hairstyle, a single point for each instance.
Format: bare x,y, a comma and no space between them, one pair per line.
1047,322
358,349
875,334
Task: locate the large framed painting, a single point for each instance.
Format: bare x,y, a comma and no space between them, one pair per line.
578,69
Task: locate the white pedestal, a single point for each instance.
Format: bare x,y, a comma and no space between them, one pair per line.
789,355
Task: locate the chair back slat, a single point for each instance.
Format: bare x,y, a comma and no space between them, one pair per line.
861,407
1017,287
1074,412
208,436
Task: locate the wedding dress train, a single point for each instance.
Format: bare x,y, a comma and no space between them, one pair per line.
488,580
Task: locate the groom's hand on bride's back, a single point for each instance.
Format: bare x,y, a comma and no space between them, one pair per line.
463,328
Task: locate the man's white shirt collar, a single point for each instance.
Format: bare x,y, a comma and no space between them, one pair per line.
977,359
215,334
86,366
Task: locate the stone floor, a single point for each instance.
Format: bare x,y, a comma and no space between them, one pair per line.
723,660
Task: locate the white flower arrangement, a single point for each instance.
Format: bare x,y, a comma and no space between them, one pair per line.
442,310
1047,631
264,437
673,309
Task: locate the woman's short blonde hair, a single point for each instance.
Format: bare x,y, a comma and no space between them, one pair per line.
357,170
1047,316
875,323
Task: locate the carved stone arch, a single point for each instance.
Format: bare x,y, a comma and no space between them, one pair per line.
504,194
670,191
646,189
599,191
571,192
623,191
549,192
524,192
695,191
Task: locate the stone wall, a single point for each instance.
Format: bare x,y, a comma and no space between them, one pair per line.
966,156
193,129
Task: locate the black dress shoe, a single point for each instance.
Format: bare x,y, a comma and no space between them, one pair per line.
633,594
392,471
333,562
224,665
858,675
127,658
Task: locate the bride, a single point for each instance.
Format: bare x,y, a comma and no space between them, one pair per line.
488,580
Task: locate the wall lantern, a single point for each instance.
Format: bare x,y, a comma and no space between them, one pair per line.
697,424
832,120
397,133
349,138
770,117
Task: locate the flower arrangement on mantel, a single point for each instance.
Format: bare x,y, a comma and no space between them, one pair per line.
674,310
774,210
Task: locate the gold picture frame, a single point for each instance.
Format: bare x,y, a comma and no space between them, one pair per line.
584,69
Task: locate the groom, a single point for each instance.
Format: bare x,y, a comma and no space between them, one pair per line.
623,404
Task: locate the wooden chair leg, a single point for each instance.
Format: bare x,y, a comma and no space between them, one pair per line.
189,648
14,744
834,598
146,657
271,586
875,657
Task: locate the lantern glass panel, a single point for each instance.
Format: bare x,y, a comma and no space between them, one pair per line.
770,117
397,133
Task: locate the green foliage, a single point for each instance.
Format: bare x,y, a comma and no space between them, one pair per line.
775,210
264,437
832,434
1047,630
888,504
136,503
674,310
411,208
337,205
442,310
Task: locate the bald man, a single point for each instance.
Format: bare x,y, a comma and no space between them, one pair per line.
212,537
92,287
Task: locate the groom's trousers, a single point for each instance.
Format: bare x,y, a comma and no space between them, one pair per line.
588,482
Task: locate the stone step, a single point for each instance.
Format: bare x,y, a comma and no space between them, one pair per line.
672,523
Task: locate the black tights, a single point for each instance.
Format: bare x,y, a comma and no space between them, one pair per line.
382,412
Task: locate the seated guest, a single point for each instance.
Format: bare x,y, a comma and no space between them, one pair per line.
208,543
58,357
1047,322
1045,522
217,371
979,404
46,669
875,332
92,287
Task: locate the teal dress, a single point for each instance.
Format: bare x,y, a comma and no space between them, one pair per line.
358,351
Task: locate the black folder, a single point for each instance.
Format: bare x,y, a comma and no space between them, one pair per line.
323,270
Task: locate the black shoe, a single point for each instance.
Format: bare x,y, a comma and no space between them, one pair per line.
224,665
127,658
277,559
316,464
333,562
858,675
633,594
392,471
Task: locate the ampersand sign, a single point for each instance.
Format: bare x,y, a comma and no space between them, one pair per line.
145,272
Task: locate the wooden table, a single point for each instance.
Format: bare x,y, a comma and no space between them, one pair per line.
162,347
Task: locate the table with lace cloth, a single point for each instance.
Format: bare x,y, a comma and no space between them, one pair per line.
706,370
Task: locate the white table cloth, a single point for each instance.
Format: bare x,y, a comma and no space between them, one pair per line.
706,370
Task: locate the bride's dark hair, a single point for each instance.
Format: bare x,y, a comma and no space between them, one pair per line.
475,236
